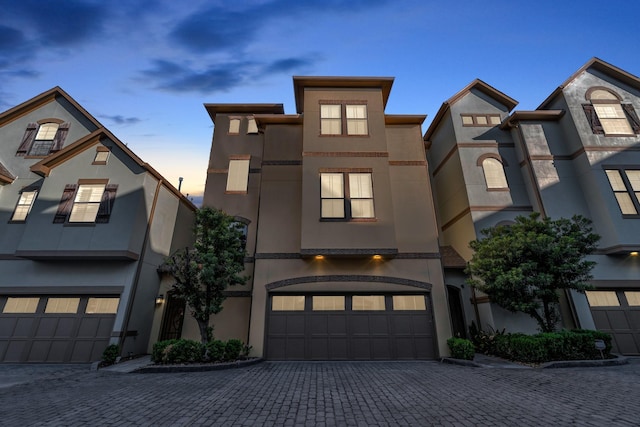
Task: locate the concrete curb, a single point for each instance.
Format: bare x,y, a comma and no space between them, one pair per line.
167,369
617,361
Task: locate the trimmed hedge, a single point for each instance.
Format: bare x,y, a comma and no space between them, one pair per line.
189,351
547,347
461,348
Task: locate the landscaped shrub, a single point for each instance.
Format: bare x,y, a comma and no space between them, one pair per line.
183,351
461,348
110,354
216,350
546,347
484,342
232,349
159,348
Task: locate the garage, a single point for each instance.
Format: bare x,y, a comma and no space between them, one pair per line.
617,312
349,327
55,329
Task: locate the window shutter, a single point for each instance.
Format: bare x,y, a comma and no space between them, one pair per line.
632,117
66,203
27,139
106,204
592,117
61,135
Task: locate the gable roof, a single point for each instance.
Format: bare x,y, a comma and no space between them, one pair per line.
5,176
40,100
600,65
45,166
477,84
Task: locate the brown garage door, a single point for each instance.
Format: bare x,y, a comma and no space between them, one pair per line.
349,327
617,312
55,329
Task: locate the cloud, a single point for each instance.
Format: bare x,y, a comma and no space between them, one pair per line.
121,120
174,77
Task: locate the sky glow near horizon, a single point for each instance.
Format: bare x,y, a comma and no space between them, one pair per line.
144,68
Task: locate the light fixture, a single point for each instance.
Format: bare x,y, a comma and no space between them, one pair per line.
377,257
634,253
319,256
160,299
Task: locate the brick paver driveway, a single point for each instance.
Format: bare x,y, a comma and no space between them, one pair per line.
324,393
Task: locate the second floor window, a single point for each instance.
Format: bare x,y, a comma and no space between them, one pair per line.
350,198
25,202
608,115
42,139
626,188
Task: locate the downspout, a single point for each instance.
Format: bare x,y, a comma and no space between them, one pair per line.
136,278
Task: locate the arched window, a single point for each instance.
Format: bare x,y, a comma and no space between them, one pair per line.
493,173
608,115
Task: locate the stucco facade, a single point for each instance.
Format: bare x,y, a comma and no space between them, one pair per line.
576,154
84,225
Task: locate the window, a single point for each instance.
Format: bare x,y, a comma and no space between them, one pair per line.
367,303
25,202
328,303
633,298
626,188
485,120
351,201
409,302
89,201
331,119
234,126
608,115
252,127
493,173
62,305
238,176
44,138
287,303
102,155
244,228
102,305
21,305
602,299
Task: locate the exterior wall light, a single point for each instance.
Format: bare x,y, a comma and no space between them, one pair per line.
319,257
377,257
160,299
634,253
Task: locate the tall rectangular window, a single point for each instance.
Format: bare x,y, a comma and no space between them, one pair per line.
357,120
238,176
331,119
234,126
626,188
86,203
346,199
24,205
252,126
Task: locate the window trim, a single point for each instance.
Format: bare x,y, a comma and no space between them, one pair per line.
29,138
33,200
346,192
635,200
594,120
344,120
101,149
67,201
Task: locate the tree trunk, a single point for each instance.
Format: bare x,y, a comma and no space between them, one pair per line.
203,325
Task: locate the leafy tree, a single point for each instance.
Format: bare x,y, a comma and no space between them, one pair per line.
215,262
522,266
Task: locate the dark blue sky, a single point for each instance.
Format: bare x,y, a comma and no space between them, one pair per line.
144,68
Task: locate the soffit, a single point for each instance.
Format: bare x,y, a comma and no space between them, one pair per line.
300,83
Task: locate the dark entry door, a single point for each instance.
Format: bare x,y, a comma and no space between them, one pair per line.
173,318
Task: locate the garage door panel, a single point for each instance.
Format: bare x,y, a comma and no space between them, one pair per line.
277,348
380,348
15,350
295,324
379,324
88,327
46,328
295,348
104,327
359,324
618,319
58,351
625,342
39,351
7,326
318,325
402,325
601,319
23,327
360,348
634,319
337,325
338,349
319,348
81,351
419,326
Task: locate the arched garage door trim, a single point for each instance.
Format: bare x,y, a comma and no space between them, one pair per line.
349,278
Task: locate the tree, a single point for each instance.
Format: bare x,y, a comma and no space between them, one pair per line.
215,262
521,267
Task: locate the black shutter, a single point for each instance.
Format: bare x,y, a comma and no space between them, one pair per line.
106,204
66,203
632,117
593,119
61,135
27,139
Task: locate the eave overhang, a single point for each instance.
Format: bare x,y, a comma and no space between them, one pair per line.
300,83
215,109
534,115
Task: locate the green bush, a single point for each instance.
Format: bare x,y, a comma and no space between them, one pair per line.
232,349
461,348
110,354
216,349
159,348
546,347
183,351
484,342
